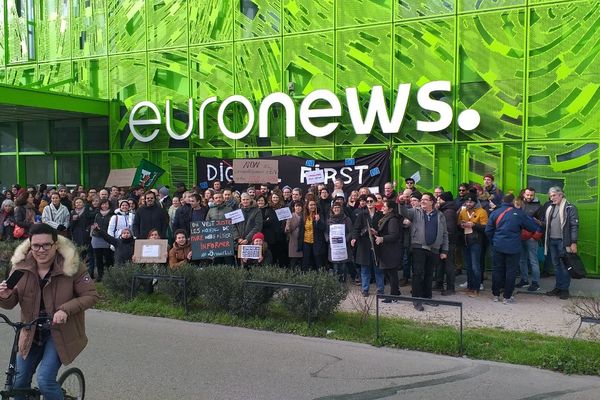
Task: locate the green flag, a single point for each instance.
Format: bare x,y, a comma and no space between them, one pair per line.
147,174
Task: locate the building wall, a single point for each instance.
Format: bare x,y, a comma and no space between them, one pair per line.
530,67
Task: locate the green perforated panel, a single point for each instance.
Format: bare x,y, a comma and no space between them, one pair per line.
88,32
210,21
359,12
257,18
126,25
167,23
423,8
53,28
307,15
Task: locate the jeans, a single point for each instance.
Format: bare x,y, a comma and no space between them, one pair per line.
471,258
504,273
365,278
529,256
424,263
46,357
563,278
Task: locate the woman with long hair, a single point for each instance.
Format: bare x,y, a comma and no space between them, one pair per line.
292,230
388,238
312,237
24,214
103,254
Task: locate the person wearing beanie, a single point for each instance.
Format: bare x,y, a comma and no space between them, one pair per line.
121,219
472,220
164,199
266,257
504,231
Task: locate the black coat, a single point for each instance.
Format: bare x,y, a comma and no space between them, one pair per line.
389,253
123,248
319,229
360,232
148,218
273,229
80,227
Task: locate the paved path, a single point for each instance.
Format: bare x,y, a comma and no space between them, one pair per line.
131,357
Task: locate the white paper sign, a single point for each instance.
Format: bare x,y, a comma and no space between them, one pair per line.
416,177
374,189
250,252
150,250
283,213
235,216
337,242
314,177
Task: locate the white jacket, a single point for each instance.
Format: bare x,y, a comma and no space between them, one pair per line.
118,222
54,217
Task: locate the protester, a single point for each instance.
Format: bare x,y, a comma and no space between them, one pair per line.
150,216
388,238
292,230
529,250
265,258
472,221
337,217
57,215
121,219
7,220
103,254
311,237
363,242
181,252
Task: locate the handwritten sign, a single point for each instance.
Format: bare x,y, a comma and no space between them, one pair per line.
283,213
337,241
256,171
211,239
314,177
120,177
150,251
250,252
235,216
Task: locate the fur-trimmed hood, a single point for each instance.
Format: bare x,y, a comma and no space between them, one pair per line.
65,249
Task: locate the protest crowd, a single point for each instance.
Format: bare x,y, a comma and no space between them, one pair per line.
400,237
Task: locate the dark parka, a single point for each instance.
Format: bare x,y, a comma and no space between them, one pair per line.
319,228
389,253
252,223
69,289
148,218
360,232
80,227
124,248
273,229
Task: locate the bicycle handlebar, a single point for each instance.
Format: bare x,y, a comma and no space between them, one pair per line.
26,325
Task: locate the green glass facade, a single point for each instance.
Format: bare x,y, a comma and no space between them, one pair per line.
530,67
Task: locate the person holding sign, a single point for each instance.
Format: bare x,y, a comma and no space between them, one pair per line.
181,253
365,247
265,257
272,227
388,237
252,223
339,228
292,229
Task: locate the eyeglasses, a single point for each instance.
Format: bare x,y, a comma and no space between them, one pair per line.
370,201
43,246
462,190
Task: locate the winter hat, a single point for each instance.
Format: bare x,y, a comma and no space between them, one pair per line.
163,191
258,235
446,196
472,197
123,201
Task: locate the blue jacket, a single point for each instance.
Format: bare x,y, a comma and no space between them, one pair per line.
506,236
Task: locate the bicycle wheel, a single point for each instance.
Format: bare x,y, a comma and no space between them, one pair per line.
72,384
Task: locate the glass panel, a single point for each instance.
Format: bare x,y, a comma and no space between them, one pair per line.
423,8
34,136
53,23
8,137
211,75
2,49
491,74
97,168
90,78
167,23
40,169
68,170
470,5
415,159
354,12
210,21
95,136
126,25
64,135
128,160
88,21
423,52
21,76
178,168
564,99
55,77
363,61
257,18
307,15
18,46
8,171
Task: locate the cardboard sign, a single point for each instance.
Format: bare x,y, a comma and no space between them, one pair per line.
283,213
255,171
211,239
235,216
149,251
249,251
315,177
120,177
337,242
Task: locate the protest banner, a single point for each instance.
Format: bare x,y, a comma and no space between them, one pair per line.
150,251
146,174
315,177
120,177
255,171
235,216
283,213
249,251
211,239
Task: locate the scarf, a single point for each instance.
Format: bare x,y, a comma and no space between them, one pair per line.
385,219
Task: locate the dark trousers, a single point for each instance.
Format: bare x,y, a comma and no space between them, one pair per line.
504,273
391,275
310,260
447,268
104,259
424,263
279,250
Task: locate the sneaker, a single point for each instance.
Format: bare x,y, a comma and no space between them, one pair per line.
481,287
522,284
419,307
509,301
448,292
496,299
553,292
534,287
564,295
463,285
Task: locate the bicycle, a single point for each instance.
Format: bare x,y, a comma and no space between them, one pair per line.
71,381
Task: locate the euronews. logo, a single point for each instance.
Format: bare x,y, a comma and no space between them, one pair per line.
328,106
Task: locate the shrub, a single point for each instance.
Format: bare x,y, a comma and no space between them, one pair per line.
7,248
173,289
118,278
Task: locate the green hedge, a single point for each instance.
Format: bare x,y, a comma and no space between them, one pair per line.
221,288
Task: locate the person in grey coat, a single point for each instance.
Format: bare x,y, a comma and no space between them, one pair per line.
56,215
252,223
429,243
292,229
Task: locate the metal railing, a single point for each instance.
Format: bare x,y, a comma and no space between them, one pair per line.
587,320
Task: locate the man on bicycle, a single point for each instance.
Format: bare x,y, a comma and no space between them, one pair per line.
55,284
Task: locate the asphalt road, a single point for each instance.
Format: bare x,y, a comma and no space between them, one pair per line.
132,357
